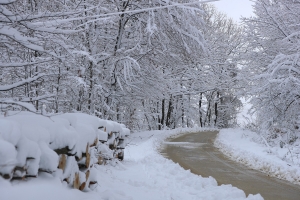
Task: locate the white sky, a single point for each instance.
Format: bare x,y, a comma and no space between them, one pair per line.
235,8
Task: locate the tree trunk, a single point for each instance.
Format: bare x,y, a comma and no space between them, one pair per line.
200,111
216,109
170,109
57,90
91,87
188,113
162,120
182,112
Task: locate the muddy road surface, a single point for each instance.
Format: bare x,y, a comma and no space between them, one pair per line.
195,151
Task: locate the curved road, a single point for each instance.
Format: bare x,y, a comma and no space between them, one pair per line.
196,152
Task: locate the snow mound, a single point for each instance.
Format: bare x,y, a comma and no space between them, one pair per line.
68,145
249,148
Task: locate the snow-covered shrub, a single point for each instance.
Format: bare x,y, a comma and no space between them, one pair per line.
69,145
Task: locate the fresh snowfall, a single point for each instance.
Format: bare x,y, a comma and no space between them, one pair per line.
91,90
143,174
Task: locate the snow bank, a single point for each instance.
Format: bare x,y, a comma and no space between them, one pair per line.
249,148
144,174
70,143
148,175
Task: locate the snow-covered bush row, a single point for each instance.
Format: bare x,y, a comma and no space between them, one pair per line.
69,144
254,151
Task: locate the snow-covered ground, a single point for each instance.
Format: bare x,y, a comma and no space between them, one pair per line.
249,148
144,174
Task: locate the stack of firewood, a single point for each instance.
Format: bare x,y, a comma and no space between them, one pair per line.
77,171
70,164
96,153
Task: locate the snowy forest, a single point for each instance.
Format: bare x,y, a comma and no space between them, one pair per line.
171,66
77,77
151,64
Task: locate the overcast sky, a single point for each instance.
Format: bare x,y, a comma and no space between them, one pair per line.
235,8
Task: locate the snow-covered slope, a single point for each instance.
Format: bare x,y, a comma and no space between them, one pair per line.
144,174
250,149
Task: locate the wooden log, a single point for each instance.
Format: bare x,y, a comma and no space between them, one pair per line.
121,155
116,143
87,175
121,140
102,141
19,168
95,142
79,158
121,144
5,176
88,156
110,135
18,178
76,183
101,160
82,186
45,170
64,150
62,162
92,183
67,180
82,166
117,134
30,176
22,177
113,145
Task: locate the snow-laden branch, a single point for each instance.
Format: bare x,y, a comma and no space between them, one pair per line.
16,64
14,34
27,106
13,17
284,62
149,9
155,8
30,99
27,42
20,83
6,2
49,30
100,17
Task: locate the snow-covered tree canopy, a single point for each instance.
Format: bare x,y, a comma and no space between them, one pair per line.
274,66
146,64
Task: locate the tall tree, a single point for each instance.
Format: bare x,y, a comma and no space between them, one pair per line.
273,64
220,70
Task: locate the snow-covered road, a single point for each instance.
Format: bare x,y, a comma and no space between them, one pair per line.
197,152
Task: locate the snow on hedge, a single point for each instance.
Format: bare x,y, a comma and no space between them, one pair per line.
69,144
249,148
